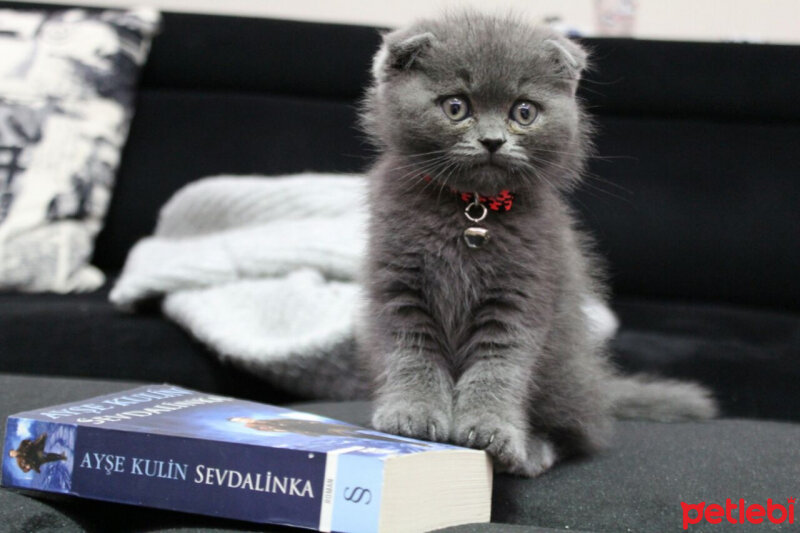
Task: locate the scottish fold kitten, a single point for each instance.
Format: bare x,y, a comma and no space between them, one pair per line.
478,283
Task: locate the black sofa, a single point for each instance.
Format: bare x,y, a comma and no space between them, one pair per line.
694,197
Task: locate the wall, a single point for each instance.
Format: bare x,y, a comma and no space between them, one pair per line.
758,20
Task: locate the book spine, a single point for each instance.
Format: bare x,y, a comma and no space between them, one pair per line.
335,491
240,481
330,486
357,492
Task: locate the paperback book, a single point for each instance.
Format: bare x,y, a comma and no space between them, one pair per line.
172,448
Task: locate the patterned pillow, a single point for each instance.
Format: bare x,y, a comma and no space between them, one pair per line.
67,88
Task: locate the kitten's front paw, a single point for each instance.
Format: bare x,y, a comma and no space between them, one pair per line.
418,420
486,431
513,450
541,456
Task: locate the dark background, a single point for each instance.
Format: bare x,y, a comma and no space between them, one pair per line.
692,196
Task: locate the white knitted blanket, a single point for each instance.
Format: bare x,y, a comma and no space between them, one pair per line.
262,271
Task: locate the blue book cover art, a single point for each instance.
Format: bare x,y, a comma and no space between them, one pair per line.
39,455
175,411
169,447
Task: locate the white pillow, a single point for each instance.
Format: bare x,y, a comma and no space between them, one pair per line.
67,87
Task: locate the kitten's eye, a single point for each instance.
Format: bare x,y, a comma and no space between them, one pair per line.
455,107
524,112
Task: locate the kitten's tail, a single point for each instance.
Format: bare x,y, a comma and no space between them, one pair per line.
664,400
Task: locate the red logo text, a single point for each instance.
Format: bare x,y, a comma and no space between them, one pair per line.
738,513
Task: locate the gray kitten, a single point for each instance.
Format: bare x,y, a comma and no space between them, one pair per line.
476,330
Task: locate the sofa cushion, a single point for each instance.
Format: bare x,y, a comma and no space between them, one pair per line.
694,207
639,482
204,133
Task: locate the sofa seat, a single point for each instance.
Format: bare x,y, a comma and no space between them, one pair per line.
748,357
641,480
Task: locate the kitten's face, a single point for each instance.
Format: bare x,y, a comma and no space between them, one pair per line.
479,103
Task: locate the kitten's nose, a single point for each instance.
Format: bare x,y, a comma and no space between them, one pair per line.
492,144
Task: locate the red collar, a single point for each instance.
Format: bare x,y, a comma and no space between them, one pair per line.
500,202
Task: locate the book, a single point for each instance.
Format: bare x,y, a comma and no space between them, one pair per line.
173,448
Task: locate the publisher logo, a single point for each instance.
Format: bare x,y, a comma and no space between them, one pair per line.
356,494
738,512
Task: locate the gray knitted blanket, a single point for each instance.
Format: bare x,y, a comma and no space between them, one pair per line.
263,272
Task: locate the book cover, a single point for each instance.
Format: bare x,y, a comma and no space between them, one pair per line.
169,447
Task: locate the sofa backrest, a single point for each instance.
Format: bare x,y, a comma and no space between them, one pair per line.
231,95
694,193
697,195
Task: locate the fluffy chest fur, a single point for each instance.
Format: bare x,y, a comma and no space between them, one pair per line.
421,265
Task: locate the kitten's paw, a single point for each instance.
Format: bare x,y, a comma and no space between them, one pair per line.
418,420
541,456
512,448
505,442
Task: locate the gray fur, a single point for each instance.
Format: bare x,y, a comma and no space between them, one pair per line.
488,347
663,400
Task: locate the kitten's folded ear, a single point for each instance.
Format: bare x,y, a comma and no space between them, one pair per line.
399,52
568,55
